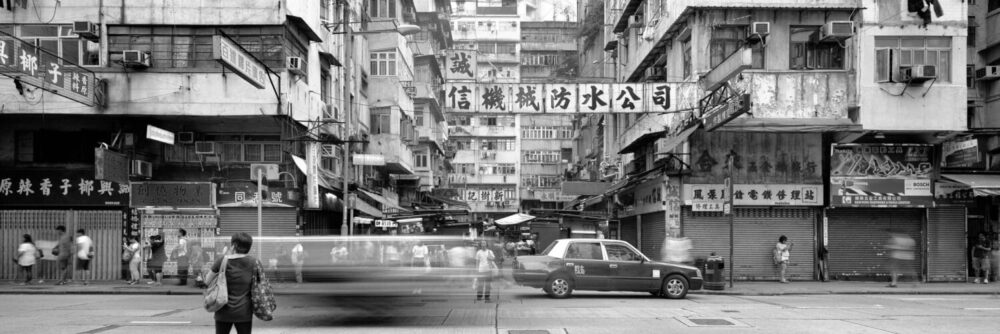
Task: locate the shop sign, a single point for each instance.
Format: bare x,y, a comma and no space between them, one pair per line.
648,197
718,115
247,197
707,206
232,56
179,221
962,154
756,194
563,98
313,161
460,65
881,175
110,166
60,188
385,223
758,157
953,193
173,194
37,67
160,135
673,194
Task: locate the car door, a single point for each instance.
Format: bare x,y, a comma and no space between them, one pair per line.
585,259
628,270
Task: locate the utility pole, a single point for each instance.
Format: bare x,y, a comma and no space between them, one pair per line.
348,109
730,211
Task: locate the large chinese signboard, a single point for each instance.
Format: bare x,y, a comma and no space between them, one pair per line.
247,197
881,175
60,188
709,197
963,153
758,158
110,166
460,65
560,98
36,67
181,195
231,55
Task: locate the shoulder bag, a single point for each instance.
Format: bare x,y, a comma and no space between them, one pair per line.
217,294
261,295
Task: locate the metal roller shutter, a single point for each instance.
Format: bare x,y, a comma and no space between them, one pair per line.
946,244
630,231
654,231
756,231
857,239
277,222
103,226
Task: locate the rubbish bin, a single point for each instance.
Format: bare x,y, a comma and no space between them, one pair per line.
715,273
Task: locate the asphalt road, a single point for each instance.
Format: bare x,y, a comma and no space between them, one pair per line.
517,310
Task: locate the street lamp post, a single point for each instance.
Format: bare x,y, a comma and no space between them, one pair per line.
348,109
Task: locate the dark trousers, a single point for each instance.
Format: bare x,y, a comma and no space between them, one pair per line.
65,271
483,285
222,327
182,269
27,273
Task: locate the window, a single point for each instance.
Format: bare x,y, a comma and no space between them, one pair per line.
726,40
970,76
686,53
459,120
382,8
422,160
188,46
808,53
497,169
383,63
973,25
585,251
621,253
540,157
324,10
419,119
61,42
909,51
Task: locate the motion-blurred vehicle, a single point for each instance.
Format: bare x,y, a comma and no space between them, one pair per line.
603,265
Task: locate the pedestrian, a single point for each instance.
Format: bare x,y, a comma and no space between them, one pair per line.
299,256
27,255
284,263
182,256
900,253
420,257
84,253
486,266
822,253
64,253
158,255
782,254
134,257
981,259
239,271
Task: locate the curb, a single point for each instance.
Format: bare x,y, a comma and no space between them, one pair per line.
189,292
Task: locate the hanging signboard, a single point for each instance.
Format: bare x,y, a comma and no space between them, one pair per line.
160,135
247,197
559,98
461,97
172,194
460,65
962,154
881,175
110,166
953,193
60,188
37,67
718,115
228,53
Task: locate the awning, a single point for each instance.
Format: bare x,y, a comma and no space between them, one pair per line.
450,202
514,219
389,206
981,184
409,220
367,209
301,24
672,141
593,200
638,142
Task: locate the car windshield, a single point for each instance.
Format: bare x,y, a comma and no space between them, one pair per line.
548,250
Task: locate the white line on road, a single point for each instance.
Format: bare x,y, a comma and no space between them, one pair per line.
159,322
982,308
929,298
839,307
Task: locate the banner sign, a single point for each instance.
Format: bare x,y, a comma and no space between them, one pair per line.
460,65
60,188
525,98
881,175
37,67
232,56
962,154
754,195
173,194
953,193
247,197
707,206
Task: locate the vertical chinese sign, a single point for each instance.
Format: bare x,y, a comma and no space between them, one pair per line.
39,68
460,65
881,175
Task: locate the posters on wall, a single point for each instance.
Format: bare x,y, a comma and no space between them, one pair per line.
881,175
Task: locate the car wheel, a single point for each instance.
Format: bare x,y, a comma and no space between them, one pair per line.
674,287
559,287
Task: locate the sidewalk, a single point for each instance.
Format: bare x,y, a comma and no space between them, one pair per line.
740,289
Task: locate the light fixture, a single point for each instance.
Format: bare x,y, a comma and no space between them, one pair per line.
879,135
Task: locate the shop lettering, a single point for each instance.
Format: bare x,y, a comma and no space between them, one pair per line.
27,187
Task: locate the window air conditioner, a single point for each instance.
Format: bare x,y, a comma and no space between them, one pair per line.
295,65
331,113
87,30
142,168
758,30
135,59
185,137
837,31
988,73
204,147
919,73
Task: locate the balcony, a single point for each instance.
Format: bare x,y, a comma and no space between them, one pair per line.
397,153
482,179
485,58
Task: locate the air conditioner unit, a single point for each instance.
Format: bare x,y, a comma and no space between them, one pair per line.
331,113
988,73
837,31
204,147
919,73
142,168
295,65
135,59
185,137
758,30
87,30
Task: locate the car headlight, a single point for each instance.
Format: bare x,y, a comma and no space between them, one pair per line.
697,273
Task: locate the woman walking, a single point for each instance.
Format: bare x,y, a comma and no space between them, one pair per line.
158,255
239,271
133,248
485,264
27,255
782,254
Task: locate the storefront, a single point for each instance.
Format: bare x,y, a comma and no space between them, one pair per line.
167,207
36,201
872,197
652,207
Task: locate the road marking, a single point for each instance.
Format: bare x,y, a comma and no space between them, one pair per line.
159,322
929,298
839,307
982,308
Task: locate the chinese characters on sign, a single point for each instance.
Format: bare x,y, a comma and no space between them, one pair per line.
707,195
460,65
962,154
61,188
173,194
881,175
247,197
461,97
494,97
232,56
39,68
530,98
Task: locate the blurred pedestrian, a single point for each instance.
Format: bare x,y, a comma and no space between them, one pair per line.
157,256
677,250
486,267
284,263
27,255
821,254
84,253
239,271
900,248
981,259
132,248
64,255
299,256
420,256
182,256
782,255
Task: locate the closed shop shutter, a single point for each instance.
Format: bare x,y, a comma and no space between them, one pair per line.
103,226
276,222
630,231
857,239
946,244
756,231
654,231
